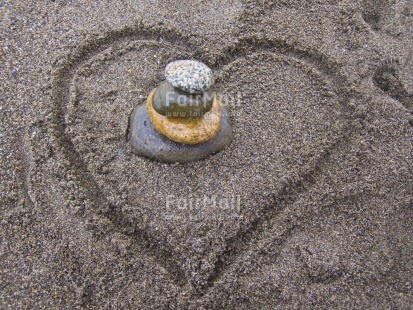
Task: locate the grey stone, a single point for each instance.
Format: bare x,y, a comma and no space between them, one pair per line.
146,141
170,101
189,75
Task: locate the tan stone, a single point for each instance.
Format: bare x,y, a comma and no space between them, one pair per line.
186,130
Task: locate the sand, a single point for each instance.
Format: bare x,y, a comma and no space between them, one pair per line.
310,207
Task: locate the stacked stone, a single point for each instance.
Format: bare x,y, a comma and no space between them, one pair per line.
183,119
184,107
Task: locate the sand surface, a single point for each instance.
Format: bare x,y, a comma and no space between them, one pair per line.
310,207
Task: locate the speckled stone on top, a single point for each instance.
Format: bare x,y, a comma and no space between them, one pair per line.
189,75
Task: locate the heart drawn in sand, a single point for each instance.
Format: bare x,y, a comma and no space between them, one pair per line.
286,115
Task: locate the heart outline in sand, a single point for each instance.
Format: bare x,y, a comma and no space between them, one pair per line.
66,70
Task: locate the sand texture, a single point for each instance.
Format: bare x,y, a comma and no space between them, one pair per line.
309,207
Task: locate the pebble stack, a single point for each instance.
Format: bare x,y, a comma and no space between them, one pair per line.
183,115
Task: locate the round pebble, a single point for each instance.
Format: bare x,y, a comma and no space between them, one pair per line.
189,75
173,102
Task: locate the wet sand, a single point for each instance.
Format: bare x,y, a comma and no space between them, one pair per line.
310,207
